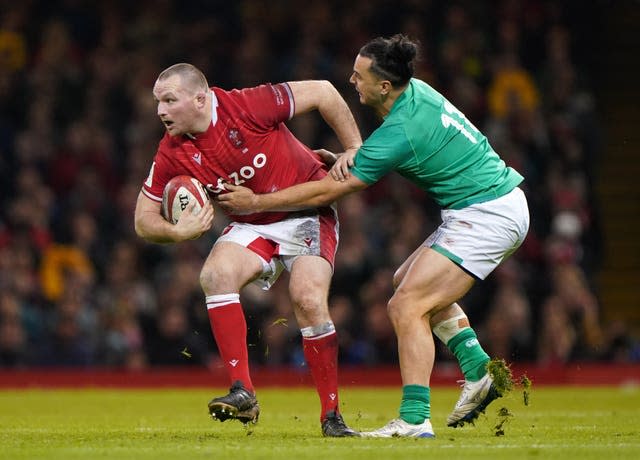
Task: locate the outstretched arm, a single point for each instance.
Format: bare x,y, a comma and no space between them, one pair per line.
241,200
322,96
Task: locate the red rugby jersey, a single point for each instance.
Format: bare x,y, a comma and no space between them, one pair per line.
246,144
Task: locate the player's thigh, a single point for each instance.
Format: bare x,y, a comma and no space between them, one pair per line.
229,267
309,281
431,283
400,273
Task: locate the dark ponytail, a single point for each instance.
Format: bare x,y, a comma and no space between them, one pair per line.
392,58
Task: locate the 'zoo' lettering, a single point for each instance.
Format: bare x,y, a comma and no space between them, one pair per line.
240,177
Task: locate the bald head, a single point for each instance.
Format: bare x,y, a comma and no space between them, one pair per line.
191,78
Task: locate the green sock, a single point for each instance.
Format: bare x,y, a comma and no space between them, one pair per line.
415,407
471,357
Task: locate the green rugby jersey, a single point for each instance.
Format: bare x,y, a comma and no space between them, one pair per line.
432,144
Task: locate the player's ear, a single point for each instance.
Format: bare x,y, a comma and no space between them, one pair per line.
201,99
385,87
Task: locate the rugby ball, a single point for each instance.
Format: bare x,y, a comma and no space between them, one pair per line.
178,195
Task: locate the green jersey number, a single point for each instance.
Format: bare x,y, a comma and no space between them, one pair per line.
460,122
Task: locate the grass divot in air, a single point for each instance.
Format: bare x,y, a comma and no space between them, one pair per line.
501,374
504,382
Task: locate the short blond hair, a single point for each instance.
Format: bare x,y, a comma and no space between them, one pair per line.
191,77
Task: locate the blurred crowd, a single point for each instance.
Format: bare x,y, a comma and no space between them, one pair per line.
78,130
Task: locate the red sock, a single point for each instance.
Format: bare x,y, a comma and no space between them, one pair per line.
230,331
321,355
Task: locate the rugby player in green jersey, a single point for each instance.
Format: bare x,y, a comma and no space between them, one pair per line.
485,218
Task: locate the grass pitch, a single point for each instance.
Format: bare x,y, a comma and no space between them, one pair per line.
567,423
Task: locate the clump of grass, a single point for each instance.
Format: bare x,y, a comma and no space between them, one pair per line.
504,382
504,416
502,376
526,388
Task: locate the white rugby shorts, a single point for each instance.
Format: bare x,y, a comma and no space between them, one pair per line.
280,243
480,236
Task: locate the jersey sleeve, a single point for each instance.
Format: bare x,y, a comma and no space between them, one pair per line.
381,153
159,175
269,104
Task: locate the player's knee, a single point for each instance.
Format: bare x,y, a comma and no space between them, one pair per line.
206,280
217,278
309,303
397,314
403,309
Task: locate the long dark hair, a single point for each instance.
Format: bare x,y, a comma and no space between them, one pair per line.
392,58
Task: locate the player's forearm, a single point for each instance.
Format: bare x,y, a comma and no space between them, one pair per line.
314,194
150,225
301,196
322,96
335,112
155,229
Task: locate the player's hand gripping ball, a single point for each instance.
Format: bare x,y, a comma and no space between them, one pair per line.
179,193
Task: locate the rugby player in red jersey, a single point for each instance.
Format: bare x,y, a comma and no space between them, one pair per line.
240,137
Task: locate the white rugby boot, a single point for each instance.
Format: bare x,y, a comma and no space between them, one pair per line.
399,428
474,399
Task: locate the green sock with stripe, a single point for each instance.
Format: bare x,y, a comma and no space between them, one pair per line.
471,357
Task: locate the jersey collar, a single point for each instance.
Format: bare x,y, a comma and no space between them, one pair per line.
214,108
214,115
406,95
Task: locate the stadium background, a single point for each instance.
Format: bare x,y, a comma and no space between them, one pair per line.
551,84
